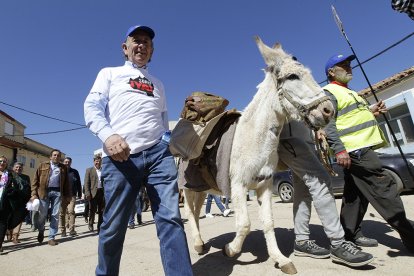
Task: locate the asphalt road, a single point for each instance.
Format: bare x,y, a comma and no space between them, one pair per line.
78,256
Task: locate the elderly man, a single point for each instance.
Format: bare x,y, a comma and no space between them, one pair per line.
126,108
50,186
353,136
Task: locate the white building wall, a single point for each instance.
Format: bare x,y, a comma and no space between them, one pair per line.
393,96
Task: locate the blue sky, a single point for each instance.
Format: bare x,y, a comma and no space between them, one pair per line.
51,51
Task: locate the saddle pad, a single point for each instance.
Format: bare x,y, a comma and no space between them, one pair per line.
188,139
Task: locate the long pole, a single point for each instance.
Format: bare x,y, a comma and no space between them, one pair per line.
342,30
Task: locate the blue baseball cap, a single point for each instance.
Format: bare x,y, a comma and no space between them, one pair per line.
146,29
334,60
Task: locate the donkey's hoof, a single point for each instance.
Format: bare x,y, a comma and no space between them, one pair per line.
289,268
227,251
200,249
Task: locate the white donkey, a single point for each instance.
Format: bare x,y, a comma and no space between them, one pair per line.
287,90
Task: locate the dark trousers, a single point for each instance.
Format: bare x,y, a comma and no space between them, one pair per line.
4,218
86,213
366,182
97,205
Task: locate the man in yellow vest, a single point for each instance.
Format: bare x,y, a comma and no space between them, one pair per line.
353,136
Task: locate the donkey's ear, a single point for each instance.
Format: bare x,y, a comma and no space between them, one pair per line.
277,45
269,55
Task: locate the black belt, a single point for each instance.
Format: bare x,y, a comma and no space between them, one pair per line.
55,189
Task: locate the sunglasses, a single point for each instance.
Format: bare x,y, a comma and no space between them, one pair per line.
3,161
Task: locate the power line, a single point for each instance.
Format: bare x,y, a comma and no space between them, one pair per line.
386,49
35,113
83,126
379,53
49,132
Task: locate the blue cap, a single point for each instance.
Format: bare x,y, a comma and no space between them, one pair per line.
146,29
334,60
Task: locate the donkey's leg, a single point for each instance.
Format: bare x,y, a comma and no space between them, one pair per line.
239,201
198,204
192,206
264,197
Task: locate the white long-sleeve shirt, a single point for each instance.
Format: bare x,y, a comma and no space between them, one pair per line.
128,101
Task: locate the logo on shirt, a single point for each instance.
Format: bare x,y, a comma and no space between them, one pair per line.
142,84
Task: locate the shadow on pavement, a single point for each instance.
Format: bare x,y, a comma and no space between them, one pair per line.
217,264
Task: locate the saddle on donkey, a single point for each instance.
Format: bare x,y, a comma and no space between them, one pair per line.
202,139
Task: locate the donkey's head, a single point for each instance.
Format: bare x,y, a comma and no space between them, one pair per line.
299,94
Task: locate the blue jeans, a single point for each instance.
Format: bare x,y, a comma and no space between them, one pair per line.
137,209
156,169
216,198
52,199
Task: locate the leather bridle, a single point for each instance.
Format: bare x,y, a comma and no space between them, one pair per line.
304,109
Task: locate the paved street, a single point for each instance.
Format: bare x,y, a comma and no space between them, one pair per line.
77,256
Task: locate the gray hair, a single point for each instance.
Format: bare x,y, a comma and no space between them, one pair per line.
18,163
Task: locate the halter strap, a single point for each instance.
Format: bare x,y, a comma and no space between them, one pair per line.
304,110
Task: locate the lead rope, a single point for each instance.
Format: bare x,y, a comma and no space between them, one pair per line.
322,148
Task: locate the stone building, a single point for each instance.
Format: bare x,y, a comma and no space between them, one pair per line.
16,147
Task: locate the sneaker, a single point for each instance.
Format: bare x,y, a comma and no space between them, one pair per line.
131,226
40,237
73,233
63,234
366,242
209,215
308,248
52,242
226,212
348,253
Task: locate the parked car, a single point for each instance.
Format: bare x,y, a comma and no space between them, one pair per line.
393,164
282,185
79,207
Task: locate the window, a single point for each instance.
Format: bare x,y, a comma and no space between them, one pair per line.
21,159
401,123
32,163
8,128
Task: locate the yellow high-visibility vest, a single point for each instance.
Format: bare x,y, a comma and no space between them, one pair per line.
356,124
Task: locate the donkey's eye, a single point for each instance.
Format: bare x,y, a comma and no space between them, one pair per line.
292,77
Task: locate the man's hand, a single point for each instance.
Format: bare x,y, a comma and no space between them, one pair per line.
33,198
117,148
321,134
378,108
343,159
88,198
